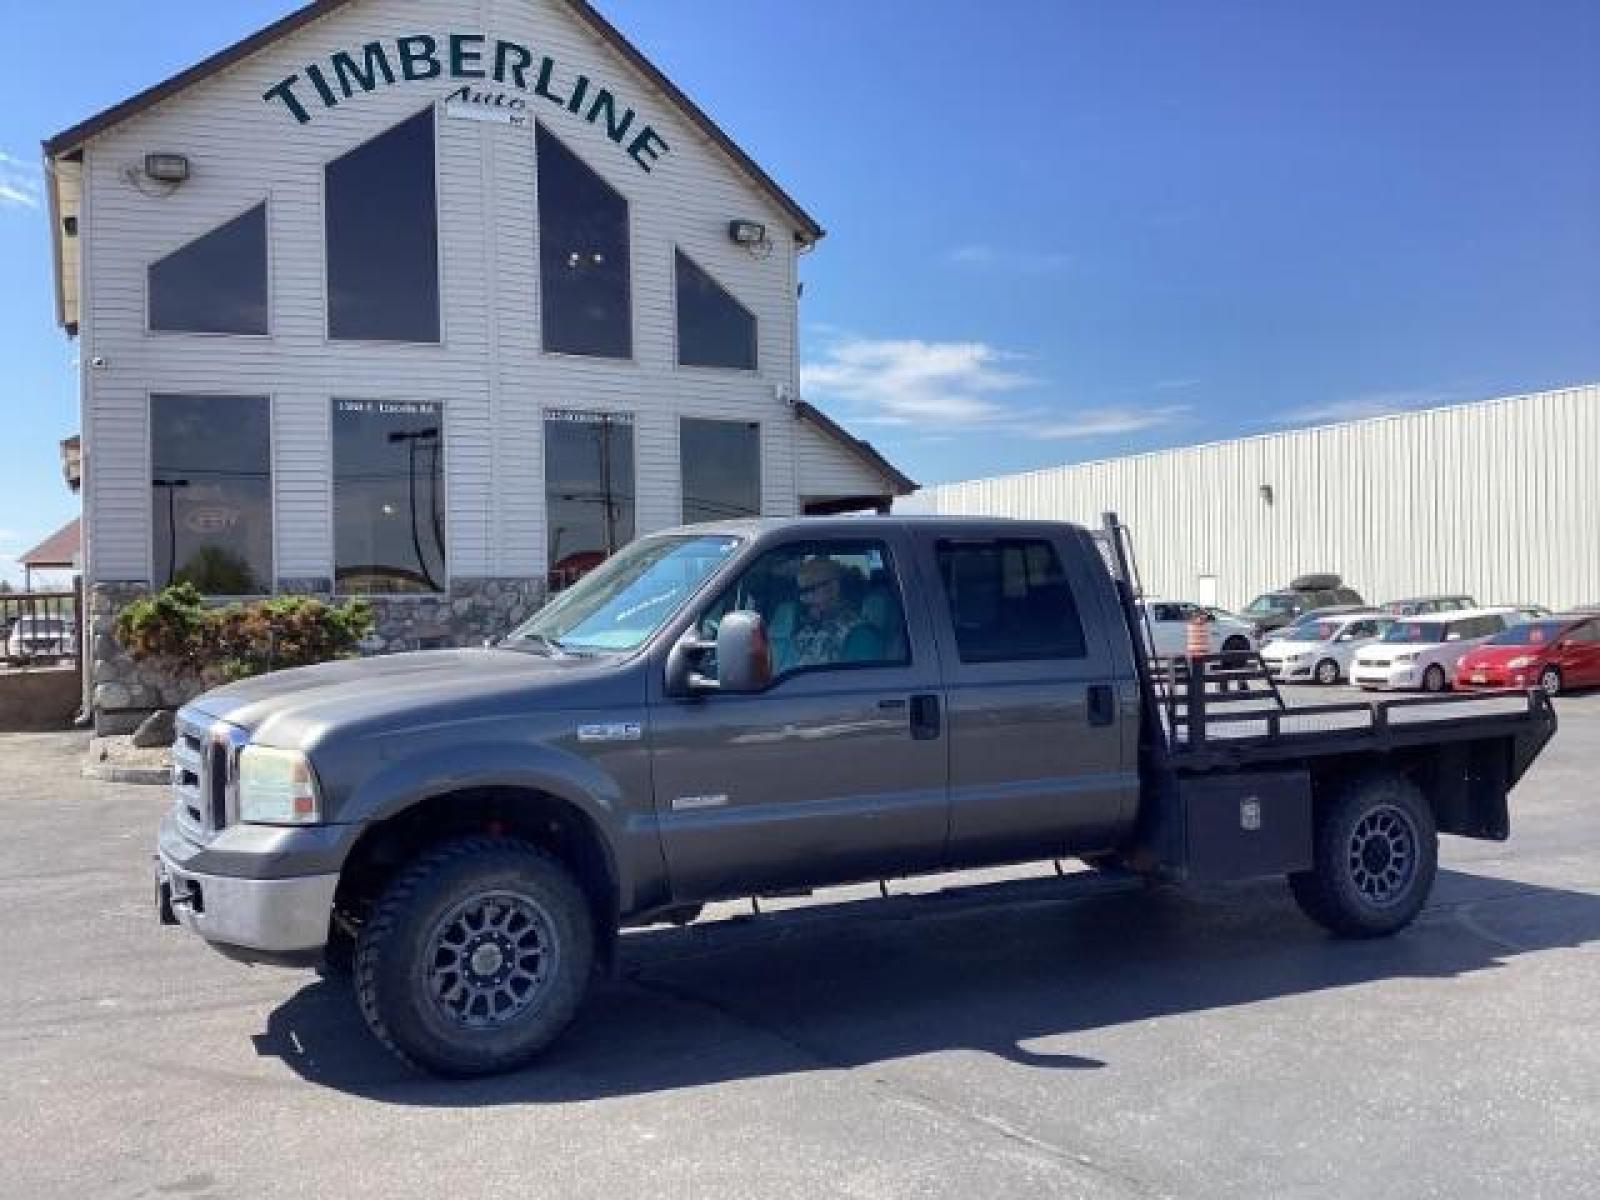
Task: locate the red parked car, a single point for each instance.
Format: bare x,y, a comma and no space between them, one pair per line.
1555,654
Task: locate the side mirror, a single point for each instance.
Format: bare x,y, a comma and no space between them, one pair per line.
743,658
744,654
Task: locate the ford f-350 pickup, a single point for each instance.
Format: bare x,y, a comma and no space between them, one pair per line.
756,707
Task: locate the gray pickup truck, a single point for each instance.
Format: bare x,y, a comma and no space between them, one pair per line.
756,707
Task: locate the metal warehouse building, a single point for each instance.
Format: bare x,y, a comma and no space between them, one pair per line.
1499,499
433,302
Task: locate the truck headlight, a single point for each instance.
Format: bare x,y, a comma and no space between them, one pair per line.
277,787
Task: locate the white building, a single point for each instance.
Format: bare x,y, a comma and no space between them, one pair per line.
435,301
1498,499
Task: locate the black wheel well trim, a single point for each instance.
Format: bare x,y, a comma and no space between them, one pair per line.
517,811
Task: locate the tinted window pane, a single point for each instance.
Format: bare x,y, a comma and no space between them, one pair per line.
383,238
388,497
583,257
825,604
215,284
588,480
714,329
721,465
1009,601
211,493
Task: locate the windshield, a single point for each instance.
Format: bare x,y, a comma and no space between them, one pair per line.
1534,633
1315,631
1416,632
1272,602
619,605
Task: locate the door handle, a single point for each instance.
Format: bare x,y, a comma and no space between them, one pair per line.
925,721
1102,704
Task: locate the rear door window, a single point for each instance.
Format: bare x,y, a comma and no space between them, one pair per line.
1009,601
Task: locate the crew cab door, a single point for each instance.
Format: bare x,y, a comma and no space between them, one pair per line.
838,769
1042,709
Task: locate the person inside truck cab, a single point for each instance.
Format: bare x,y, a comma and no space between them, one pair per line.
828,629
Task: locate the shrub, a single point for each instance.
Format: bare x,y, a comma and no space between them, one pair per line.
176,628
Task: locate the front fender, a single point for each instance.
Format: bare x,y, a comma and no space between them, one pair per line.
432,771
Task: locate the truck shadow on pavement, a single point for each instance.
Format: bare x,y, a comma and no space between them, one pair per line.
983,970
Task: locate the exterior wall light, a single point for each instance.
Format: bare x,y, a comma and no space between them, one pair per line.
166,168
747,233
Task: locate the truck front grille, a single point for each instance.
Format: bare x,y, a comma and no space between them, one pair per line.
205,758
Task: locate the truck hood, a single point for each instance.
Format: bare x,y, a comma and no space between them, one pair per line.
295,707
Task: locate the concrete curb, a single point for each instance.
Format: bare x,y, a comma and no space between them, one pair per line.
107,773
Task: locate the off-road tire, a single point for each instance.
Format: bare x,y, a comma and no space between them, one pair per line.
397,947
1333,894
1326,672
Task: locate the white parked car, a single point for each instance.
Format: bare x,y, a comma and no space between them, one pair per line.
1322,651
1421,652
35,638
1169,625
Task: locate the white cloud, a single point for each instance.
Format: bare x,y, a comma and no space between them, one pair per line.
1108,422
982,257
909,381
1368,404
21,183
940,390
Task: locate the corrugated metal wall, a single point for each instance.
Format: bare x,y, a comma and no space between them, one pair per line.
1500,499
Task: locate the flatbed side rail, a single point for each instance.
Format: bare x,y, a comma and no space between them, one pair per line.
1206,714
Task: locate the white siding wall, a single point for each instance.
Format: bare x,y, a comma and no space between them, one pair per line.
489,371
1499,499
827,470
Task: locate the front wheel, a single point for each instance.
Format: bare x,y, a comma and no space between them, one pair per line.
1327,672
1375,853
1550,681
476,958
1433,679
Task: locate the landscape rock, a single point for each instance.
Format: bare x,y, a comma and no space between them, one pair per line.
156,730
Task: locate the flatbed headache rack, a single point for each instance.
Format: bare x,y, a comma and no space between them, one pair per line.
1225,709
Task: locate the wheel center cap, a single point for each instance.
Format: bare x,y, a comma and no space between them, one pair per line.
1376,855
486,959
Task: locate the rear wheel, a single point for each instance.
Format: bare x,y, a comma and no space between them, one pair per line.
1550,681
1327,672
1433,679
1374,857
476,957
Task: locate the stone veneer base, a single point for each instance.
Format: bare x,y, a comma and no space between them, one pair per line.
124,691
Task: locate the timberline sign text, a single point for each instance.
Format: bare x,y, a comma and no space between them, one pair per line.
420,57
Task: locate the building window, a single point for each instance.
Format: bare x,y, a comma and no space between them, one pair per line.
584,257
388,497
215,284
211,493
714,329
721,468
588,481
382,223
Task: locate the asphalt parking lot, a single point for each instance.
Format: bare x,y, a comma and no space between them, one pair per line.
1031,1039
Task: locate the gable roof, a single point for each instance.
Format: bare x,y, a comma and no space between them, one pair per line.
900,484
70,140
60,549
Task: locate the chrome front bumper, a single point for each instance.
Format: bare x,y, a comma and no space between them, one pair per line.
273,917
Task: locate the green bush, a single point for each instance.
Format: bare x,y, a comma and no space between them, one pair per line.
175,627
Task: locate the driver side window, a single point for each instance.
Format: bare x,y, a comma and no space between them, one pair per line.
826,605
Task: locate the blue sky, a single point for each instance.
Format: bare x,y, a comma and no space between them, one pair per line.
1058,230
